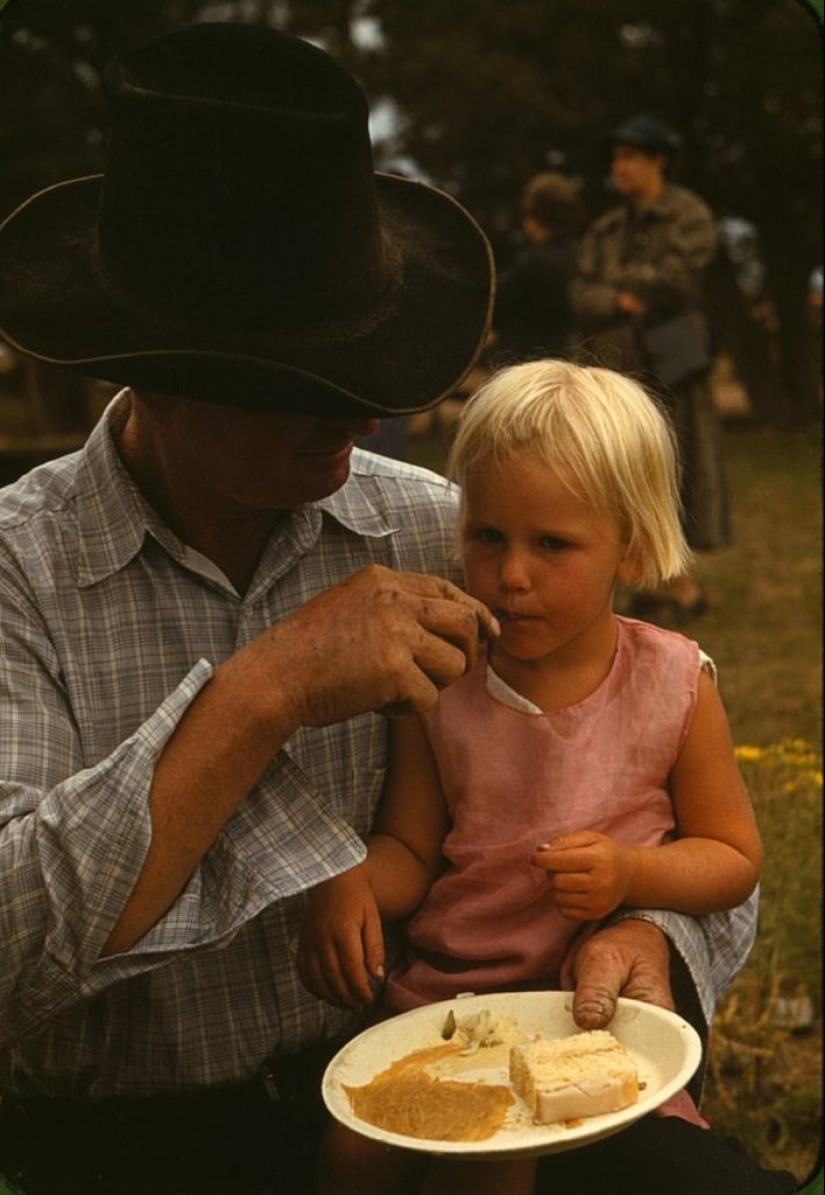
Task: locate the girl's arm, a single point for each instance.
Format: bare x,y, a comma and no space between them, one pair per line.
341,947
713,864
715,861
404,850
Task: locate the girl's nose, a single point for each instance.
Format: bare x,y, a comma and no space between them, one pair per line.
514,573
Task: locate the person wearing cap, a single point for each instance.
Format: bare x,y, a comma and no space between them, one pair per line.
208,612
638,286
533,316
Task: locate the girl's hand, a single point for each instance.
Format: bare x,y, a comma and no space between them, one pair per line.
590,873
341,946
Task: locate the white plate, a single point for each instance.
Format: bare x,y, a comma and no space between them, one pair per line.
665,1048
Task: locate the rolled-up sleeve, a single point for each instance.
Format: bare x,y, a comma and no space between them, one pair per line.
714,948
110,629
70,856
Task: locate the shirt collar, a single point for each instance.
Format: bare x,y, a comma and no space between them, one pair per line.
114,517
662,208
359,504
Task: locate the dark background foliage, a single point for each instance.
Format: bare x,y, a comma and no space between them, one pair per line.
483,94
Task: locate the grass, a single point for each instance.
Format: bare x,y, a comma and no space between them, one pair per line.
765,632
763,629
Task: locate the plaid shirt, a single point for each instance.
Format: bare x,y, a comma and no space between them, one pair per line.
110,627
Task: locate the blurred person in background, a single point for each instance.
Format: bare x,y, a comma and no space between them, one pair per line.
533,315
638,300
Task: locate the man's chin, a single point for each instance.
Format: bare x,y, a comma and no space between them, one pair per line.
328,475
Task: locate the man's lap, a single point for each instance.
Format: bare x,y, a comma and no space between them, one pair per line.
241,1141
269,1151
660,1156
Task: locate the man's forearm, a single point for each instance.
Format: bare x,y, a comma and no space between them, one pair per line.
223,743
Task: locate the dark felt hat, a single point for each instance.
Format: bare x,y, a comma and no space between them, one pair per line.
240,248
648,132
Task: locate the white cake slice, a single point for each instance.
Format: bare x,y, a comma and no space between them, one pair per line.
587,1074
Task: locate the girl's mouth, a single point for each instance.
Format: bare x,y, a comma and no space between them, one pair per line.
511,616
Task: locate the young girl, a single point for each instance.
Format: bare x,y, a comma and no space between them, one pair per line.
586,764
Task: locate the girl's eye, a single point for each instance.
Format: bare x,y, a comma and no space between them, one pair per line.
554,543
486,535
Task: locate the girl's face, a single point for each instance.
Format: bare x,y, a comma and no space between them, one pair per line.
543,560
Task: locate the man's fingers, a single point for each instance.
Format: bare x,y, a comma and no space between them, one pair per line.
435,664
601,972
444,661
631,959
650,988
389,641
593,1005
437,588
459,625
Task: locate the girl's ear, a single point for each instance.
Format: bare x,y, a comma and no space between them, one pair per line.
630,568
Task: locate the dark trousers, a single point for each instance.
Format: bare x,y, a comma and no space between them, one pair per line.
242,1141
247,1145
237,1140
660,1156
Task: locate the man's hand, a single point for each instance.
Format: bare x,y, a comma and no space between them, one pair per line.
341,948
589,872
631,959
382,640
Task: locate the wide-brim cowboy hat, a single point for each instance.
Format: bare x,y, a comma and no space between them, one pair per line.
240,247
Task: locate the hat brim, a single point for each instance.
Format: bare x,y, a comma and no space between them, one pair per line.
404,354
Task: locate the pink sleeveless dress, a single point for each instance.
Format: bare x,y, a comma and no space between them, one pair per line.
514,779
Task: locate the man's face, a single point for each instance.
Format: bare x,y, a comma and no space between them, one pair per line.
636,173
259,461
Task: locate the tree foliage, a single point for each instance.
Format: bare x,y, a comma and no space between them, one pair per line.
486,93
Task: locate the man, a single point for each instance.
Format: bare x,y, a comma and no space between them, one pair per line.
207,614
639,286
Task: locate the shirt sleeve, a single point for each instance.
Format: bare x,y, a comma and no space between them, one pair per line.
73,841
714,948
593,298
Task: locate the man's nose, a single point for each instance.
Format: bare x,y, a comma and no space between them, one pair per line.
358,425
364,427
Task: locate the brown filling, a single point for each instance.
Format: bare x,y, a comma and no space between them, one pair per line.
405,1099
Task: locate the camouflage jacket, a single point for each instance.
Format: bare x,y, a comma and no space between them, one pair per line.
659,255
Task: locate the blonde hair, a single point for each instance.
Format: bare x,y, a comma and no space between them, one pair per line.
603,436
